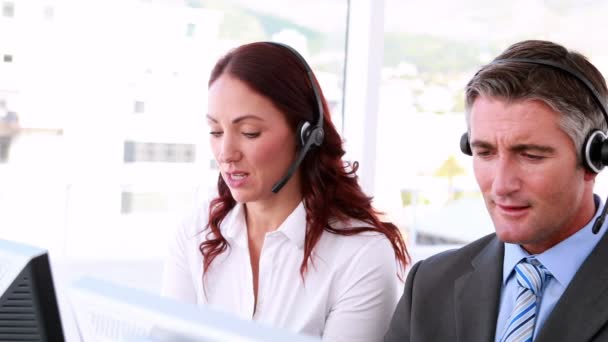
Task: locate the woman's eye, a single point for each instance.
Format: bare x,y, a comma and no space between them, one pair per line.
251,135
216,134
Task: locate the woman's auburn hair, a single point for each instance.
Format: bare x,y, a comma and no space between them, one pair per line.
329,186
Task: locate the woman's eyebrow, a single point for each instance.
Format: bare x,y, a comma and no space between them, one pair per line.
238,119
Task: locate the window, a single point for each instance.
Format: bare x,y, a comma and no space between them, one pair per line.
5,145
48,12
213,164
152,202
8,9
139,106
158,152
190,29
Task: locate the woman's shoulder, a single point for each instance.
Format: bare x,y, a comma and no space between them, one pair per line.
350,257
194,220
363,236
339,246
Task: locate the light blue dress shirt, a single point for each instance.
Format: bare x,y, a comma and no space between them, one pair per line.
562,260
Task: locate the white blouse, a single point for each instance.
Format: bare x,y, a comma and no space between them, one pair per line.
349,293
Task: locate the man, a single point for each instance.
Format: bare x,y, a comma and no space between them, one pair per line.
543,275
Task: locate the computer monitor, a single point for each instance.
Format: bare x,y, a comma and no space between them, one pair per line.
28,305
109,312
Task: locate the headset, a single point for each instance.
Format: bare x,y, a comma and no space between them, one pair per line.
308,135
595,147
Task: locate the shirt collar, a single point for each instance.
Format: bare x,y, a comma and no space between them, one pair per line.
234,226
294,226
577,247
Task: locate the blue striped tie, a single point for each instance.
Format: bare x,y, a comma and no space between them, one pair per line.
530,275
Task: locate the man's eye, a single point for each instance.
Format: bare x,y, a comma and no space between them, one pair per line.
533,156
482,153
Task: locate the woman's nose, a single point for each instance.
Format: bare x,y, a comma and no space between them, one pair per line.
229,151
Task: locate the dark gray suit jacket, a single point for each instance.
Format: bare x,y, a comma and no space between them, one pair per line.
454,296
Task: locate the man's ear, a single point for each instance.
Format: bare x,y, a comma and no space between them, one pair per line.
589,175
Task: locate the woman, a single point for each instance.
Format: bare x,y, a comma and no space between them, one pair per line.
301,250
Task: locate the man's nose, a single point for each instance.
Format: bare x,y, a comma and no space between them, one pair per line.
506,177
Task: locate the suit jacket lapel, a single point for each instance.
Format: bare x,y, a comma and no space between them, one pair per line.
583,308
477,295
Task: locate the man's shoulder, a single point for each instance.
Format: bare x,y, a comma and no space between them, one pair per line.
454,260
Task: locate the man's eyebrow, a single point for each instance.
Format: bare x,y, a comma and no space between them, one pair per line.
516,148
481,144
533,147
238,119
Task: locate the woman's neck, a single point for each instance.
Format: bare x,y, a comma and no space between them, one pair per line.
266,216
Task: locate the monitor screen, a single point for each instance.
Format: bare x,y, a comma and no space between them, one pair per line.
28,304
109,312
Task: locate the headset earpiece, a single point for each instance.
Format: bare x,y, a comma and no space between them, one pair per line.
307,131
317,134
465,146
303,132
595,151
